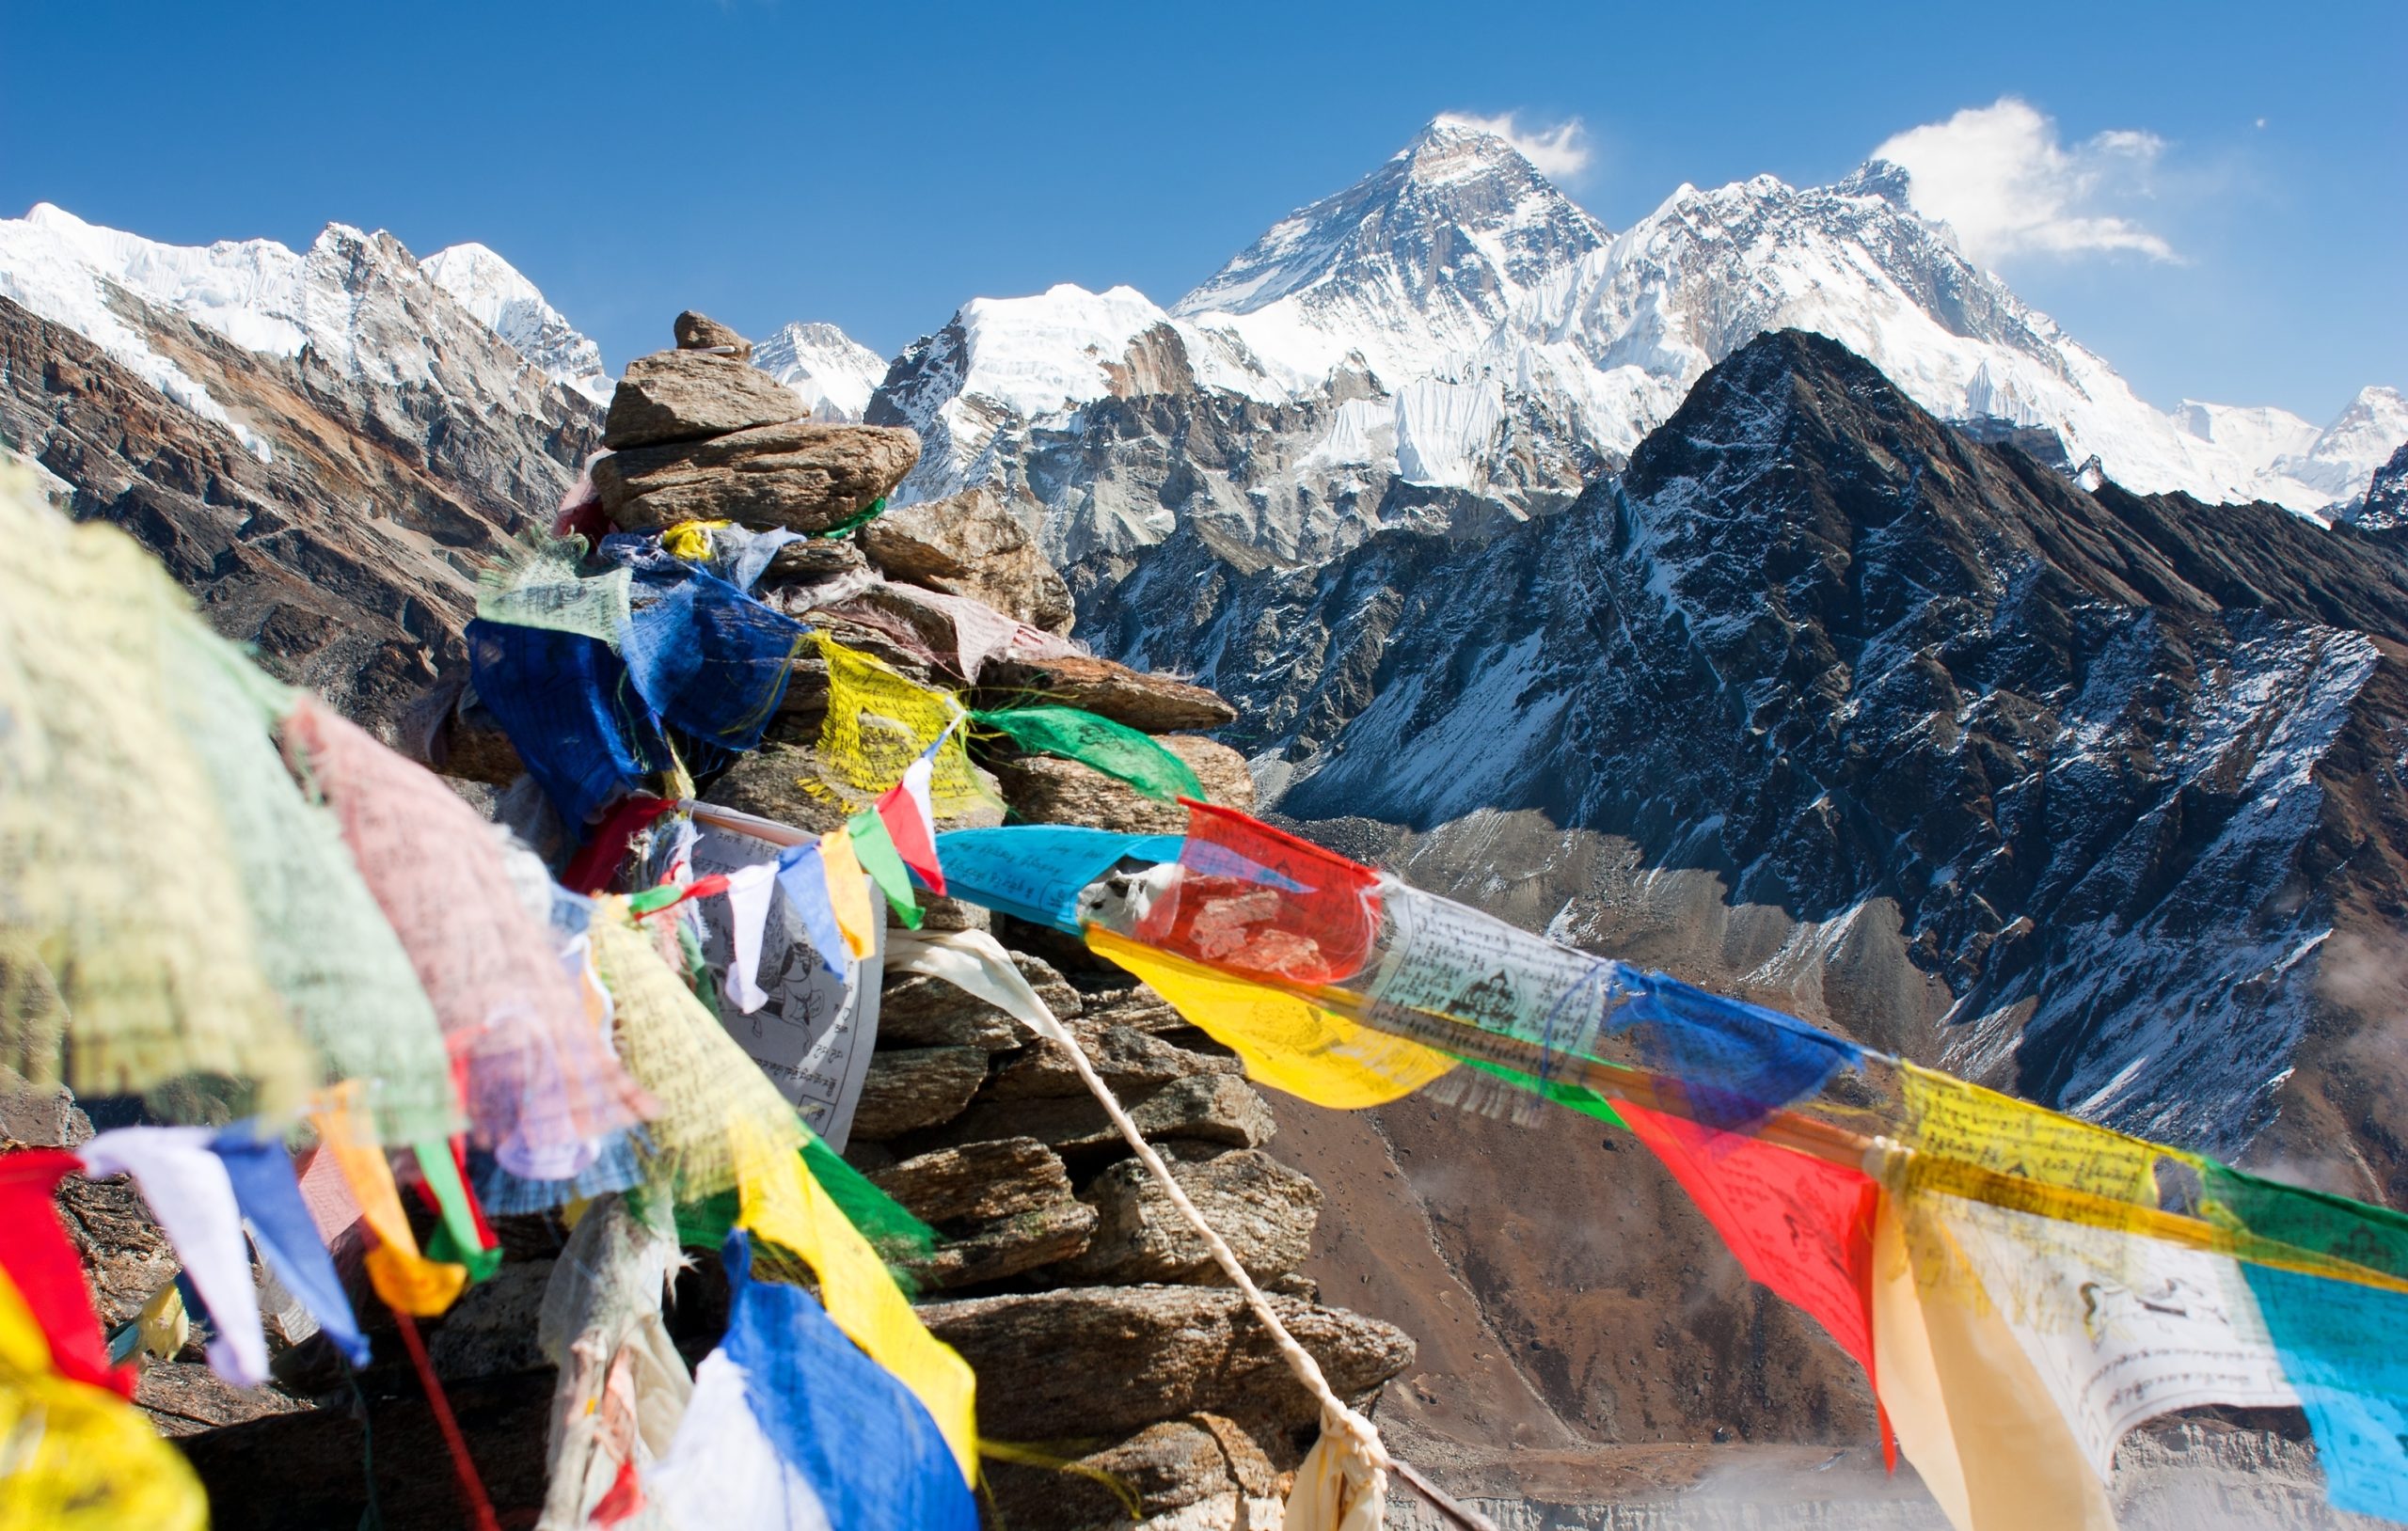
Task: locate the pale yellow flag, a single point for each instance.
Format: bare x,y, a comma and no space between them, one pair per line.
1969,1412
778,1201
848,893
406,1280
1286,1042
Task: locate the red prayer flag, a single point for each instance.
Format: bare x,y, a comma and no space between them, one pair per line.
1255,901
1799,1225
46,1271
910,821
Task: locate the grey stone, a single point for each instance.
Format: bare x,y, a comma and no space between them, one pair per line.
1104,1360
689,395
1051,987
971,544
789,784
1263,1210
910,1088
700,332
39,1118
798,473
977,1182
1220,1109
812,559
1154,704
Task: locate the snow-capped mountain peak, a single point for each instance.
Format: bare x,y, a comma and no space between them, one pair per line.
834,373
1425,256
506,302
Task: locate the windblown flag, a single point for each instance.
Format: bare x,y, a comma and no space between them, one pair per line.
910,821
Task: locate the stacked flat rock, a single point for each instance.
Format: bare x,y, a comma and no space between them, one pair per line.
700,434
1097,1320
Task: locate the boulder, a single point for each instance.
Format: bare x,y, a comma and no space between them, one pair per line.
798,474
1154,703
977,1182
789,783
34,1117
1051,987
812,559
917,1011
1007,1247
689,395
1093,1361
1130,1061
909,1088
185,1397
972,545
700,332
1219,1109
1046,790
1261,1207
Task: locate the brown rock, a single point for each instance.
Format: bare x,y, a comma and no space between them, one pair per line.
1103,1360
1155,704
689,395
812,559
1261,1207
184,1397
699,332
39,1118
1130,1061
972,545
1046,790
1174,1470
798,473
1139,1008
1220,1109
910,1088
1051,987
1007,1247
777,782
977,1182
126,1258
923,1012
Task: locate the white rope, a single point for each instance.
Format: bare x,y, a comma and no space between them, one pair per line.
951,955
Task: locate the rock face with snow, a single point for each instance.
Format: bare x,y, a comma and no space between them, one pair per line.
834,373
2082,786
508,304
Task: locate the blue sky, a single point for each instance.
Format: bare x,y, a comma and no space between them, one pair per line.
2214,196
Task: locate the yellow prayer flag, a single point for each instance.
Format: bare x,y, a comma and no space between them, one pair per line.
1951,1119
1286,1042
690,540
778,1201
78,1458
407,1281
879,722
848,893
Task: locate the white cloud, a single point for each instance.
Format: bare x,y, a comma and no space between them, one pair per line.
1559,152
2003,179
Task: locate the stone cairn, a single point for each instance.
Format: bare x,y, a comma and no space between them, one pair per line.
1128,1387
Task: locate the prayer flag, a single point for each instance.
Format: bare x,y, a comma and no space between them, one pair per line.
408,1282
782,1203
269,1194
188,1192
1799,1225
803,875
846,896
1100,744
1255,900
875,849
1034,872
2340,1345
1285,1042
80,1459
910,820
461,1238
873,1456
748,892
46,1271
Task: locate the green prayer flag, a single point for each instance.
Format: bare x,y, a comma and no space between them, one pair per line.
875,849
455,1241
1579,1098
1117,749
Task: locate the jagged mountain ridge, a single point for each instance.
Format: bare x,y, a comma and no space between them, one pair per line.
2094,760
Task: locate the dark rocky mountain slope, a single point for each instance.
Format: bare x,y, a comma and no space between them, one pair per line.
348,554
